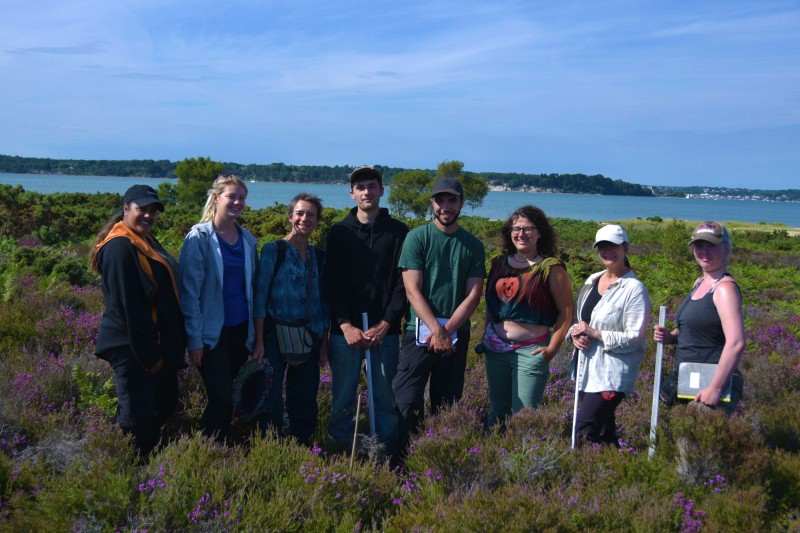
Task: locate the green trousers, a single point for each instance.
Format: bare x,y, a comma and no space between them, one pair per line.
516,379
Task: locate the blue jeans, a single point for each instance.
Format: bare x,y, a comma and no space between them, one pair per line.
302,386
346,371
516,379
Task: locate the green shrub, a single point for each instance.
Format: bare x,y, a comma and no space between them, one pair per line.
93,391
704,443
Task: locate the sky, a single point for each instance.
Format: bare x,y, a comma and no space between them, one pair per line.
650,92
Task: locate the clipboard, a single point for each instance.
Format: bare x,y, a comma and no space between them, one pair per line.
423,331
694,377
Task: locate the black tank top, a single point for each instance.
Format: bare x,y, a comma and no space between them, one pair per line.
701,338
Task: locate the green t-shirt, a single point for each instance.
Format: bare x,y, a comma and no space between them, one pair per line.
446,260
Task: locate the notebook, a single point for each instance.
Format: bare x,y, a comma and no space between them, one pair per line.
423,331
694,377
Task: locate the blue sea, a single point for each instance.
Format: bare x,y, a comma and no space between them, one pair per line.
496,205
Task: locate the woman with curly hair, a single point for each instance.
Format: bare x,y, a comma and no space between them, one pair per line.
528,310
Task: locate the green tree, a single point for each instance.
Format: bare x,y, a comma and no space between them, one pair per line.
411,193
195,177
475,187
411,188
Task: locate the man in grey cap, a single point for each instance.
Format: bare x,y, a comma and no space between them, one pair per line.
443,267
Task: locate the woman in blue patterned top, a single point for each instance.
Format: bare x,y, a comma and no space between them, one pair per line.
290,293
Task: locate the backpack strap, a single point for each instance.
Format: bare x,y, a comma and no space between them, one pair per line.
279,259
281,244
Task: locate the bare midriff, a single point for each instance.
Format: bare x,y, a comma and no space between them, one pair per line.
509,330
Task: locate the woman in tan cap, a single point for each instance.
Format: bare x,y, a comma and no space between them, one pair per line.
709,327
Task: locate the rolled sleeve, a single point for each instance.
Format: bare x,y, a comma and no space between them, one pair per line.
635,311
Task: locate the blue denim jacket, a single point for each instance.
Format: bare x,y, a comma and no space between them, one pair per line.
289,289
201,284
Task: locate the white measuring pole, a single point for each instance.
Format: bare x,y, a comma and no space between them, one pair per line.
578,378
370,394
662,316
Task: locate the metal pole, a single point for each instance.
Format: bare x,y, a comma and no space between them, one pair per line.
662,316
370,395
355,430
578,378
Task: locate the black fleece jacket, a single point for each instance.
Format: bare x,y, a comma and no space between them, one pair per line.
361,273
127,319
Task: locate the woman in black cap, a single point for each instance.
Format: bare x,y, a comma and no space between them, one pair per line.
142,335
709,326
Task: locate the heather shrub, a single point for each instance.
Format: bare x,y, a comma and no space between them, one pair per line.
531,460
782,483
177,477
704,443
192,396
449,446
272,484
38,392
476,392
69,332
509,509
68,474
15,329
64,464
736,510
779,422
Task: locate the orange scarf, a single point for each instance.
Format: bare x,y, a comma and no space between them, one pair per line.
145,249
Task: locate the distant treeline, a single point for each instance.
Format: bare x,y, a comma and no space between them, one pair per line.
279,172
571,183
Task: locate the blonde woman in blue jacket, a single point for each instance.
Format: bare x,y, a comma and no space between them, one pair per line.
610,333
218,271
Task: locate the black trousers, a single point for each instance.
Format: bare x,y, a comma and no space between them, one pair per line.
144,401
596,420
418,366
219,369
297,416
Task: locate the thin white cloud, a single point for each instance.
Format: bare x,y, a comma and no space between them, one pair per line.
524,86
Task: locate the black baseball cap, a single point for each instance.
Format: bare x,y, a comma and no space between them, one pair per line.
143,195
449,186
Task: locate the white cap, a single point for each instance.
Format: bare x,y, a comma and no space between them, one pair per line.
611,233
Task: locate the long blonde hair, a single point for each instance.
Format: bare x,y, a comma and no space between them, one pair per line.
217,188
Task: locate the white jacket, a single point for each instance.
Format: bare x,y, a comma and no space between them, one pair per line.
621,316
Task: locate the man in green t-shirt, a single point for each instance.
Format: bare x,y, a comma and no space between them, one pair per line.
443,267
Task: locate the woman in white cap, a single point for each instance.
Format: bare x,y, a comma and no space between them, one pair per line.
609,337
709,326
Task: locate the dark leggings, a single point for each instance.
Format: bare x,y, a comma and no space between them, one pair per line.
144,400
219,369
596,420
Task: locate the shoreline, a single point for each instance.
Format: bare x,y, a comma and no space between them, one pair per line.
492,188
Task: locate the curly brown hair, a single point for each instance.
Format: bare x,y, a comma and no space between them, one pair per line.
546,245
